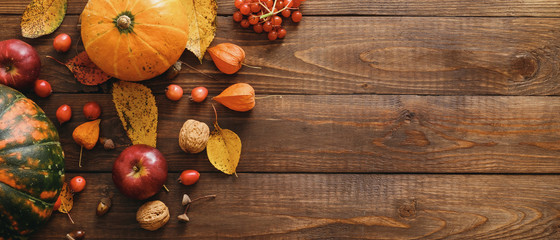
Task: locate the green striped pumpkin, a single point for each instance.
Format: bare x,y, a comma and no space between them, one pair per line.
31,165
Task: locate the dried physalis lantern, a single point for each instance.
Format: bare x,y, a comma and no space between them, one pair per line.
239,97
86,136
227,57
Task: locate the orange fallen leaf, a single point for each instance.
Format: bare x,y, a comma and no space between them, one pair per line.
84,70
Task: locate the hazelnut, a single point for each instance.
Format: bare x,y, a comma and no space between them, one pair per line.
152,215
194,136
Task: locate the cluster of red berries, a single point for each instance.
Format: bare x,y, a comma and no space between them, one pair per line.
265,15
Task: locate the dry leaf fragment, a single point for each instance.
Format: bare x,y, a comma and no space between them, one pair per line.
202,27
239,97
84,70
136,107
224,149
42,17
66,201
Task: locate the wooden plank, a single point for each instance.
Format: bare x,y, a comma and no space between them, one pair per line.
311,206
532,8
345,133
441,56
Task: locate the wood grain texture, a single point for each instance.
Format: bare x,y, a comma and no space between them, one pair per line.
340,133
341,206
532,8
397,55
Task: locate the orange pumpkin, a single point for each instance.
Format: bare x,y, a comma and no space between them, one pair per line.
134,40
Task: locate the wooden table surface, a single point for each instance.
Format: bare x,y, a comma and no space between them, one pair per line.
390,119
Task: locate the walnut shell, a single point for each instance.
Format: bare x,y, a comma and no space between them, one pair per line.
194,136
152,215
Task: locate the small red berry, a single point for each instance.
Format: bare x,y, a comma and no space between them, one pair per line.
189,177
198,94
62,42
63,113
174,92
77,184
272,35
42,88
92,110
57,203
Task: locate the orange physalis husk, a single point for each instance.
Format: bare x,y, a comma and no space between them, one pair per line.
86,135
227,57
239,97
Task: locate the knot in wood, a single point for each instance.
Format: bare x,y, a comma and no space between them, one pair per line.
407,116
524,66
408,210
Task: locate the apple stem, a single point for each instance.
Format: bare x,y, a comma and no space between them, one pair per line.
165,188
80,161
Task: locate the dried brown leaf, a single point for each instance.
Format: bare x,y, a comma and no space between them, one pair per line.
84,70
202,26
136,107
42,17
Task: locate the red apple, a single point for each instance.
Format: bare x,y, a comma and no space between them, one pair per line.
140,171
19,64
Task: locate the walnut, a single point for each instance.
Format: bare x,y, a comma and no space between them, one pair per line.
152,215
194,136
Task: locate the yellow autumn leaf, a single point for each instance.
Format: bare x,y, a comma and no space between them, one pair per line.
136,107
42,17
66,201
224,149
202,26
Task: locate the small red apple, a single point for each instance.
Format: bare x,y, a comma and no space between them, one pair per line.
140,171
19,64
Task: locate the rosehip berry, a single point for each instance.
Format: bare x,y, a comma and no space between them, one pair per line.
42,88
174,92
77,184
189,177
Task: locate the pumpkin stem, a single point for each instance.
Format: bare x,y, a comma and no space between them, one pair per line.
124,22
